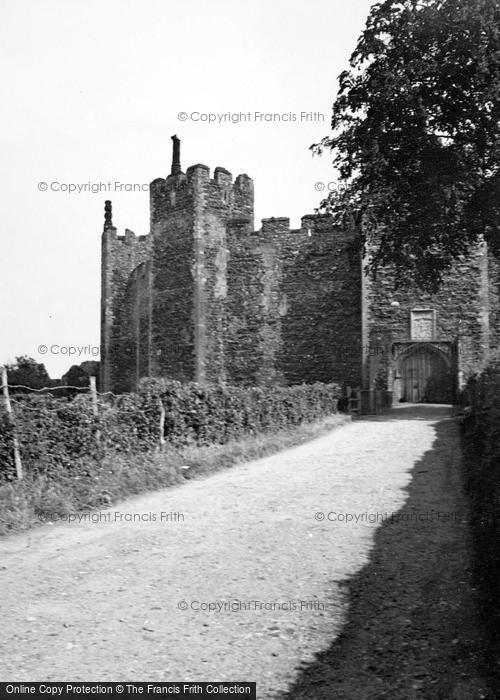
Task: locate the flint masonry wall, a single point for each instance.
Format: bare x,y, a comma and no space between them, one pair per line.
172,284
119,257
321,329
205,297
217,202
294,307
255,302
465,308
138,299
190,214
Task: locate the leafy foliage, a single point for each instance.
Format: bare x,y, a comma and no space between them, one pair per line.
28,372
416,135
482,451
59,434
79,376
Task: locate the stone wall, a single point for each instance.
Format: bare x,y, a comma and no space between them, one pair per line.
139,300
190,214
172,352
294,308
462,318
207,298
322,326
120,256
255,303
217,202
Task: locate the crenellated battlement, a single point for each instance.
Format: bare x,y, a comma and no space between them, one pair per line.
196,190
200,174
311,224
130,238
275,226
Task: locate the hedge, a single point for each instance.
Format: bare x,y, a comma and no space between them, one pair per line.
481,433
61,433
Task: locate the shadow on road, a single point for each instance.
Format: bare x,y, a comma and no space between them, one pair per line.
412,629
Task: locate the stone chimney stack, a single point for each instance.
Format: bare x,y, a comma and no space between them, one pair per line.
176,156
108,215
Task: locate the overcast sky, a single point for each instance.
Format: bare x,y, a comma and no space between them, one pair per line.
92,91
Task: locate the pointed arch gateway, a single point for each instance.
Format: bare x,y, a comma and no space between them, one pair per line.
425,374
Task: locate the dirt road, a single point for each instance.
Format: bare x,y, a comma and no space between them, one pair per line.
234,577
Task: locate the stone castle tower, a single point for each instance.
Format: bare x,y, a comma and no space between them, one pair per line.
206,298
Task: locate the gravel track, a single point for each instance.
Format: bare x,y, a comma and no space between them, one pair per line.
101,601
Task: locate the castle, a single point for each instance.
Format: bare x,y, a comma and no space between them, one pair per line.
206,298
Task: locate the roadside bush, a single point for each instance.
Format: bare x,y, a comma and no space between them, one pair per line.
63,435
481,433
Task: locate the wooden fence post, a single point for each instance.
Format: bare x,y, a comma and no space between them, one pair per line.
95,407
162,425
8,407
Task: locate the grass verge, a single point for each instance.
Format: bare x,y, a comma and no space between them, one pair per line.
42,498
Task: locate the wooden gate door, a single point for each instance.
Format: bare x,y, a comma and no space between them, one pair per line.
426,377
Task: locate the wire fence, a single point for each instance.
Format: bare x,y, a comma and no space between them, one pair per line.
98,401
41,431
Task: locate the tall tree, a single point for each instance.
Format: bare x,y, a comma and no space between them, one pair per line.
79,376
416,137
28,372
